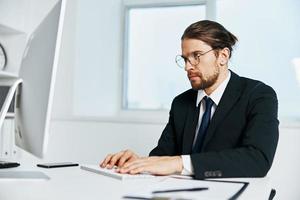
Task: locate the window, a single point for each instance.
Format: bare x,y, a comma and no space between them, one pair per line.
151,78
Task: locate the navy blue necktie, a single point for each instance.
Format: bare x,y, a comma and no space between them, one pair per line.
204,124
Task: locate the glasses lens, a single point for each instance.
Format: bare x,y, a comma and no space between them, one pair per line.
180,61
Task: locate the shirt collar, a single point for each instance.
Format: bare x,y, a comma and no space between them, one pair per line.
217,94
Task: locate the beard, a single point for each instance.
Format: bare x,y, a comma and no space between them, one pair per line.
206,82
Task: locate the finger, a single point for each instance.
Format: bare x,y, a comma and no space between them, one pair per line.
133,162
106,160
148,164
115,158
127,157
133,166
147,167
139,170
131,159
101,164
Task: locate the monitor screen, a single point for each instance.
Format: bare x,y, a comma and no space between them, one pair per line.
35,93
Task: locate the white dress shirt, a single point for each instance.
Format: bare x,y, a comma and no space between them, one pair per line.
215,97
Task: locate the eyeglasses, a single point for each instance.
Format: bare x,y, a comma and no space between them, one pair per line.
193,59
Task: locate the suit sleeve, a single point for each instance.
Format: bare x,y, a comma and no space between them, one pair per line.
254,156
167,144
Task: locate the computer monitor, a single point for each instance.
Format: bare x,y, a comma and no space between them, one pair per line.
36,76
34,96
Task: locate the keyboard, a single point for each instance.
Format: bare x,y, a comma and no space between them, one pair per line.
111,173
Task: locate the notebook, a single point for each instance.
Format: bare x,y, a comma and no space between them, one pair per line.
111,173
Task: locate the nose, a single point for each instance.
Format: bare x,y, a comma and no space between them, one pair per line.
188,66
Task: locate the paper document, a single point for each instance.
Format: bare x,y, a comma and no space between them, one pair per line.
189,189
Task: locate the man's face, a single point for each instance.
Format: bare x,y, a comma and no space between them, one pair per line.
206,72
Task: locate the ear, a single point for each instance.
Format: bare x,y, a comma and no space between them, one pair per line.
223,56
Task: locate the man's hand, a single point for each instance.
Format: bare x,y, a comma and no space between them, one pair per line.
158,165
118,159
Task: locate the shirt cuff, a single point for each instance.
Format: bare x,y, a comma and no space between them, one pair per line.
188,168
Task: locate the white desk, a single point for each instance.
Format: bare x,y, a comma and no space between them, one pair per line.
74,183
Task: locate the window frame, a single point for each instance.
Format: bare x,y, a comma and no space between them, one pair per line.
151,114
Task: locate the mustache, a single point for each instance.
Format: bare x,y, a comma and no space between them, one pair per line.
193,74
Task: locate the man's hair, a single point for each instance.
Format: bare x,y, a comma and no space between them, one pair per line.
212,33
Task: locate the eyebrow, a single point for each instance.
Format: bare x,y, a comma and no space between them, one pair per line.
193,52
198,51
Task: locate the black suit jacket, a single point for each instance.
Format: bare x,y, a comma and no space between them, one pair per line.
241,139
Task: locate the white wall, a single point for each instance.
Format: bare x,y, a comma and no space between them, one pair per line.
89,141
91,55
285,172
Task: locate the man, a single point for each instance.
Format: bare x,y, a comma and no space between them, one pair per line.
225,126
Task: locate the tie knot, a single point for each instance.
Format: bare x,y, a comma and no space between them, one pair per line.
208,102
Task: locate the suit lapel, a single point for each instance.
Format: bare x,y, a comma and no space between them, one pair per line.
230,96
190,126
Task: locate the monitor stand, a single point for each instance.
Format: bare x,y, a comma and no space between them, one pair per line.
15,174
23,175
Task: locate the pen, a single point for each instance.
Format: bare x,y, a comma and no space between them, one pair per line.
152,198
181,190
136,197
